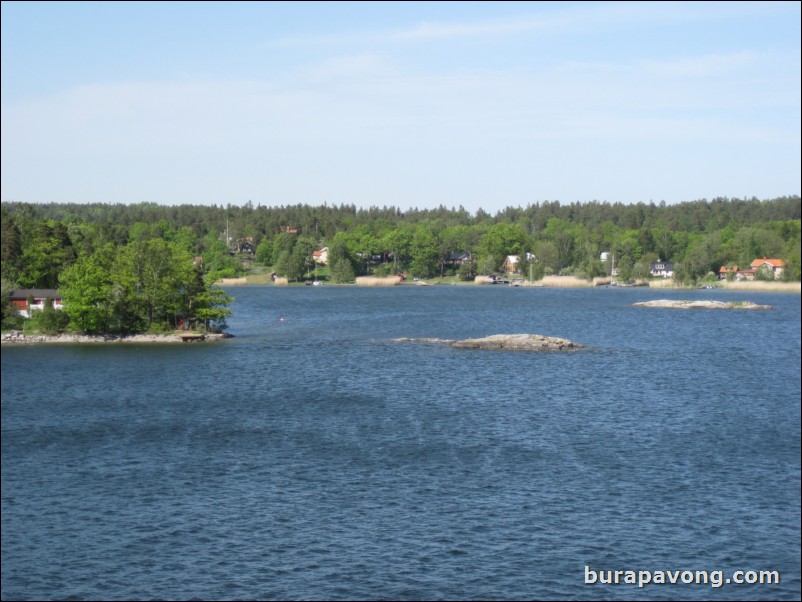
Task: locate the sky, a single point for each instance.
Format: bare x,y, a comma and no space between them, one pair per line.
416,105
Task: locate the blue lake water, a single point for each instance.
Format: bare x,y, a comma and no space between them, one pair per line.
310,458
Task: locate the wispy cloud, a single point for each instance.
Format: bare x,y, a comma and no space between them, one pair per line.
593,16
385,122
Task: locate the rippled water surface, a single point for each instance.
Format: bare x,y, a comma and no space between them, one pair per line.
311,458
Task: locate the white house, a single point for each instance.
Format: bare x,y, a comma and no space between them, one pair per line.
661,268
321,257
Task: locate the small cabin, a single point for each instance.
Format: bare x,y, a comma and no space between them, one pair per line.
27,300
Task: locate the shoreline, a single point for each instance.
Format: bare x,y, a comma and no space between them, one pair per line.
15,337
561,282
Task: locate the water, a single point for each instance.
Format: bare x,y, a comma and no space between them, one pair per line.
310,458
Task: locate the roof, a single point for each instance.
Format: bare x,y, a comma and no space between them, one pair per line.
775,263
36,293
728,268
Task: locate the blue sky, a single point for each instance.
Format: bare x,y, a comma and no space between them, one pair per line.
408,104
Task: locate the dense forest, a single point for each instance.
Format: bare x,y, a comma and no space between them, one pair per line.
157,262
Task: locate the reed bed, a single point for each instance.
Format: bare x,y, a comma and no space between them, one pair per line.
259,279
376,281
567,281
664,283
483,280
281,282
762,285
232,282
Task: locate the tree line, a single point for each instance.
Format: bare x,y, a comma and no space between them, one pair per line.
48,245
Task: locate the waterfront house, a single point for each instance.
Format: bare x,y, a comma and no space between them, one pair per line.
26,300
510,265
727,271
773,266
664,269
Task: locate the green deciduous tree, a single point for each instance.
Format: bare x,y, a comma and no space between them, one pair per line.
424,253
86,289
501,240
46,255
264,252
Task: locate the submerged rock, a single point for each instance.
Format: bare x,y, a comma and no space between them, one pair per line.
509,342
701,304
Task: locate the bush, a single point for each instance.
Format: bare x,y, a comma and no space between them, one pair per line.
49,321
467,271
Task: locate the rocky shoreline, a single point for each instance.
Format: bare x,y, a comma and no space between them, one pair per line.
702,304
507,342
15,337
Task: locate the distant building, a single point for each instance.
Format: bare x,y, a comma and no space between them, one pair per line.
37,297
775,266
246,246
458,258
321,257
727,271
510,265
663,269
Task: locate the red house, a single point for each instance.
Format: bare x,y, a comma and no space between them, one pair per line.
28,299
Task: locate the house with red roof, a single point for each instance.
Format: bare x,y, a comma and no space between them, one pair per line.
773,266
321,257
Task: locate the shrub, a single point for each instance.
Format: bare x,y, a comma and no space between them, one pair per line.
49,320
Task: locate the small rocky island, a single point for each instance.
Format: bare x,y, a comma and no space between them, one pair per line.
507,342
702,304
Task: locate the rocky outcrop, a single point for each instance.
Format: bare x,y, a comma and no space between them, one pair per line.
508,342
702,304
16,337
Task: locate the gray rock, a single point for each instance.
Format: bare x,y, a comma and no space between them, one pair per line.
508,342
701,304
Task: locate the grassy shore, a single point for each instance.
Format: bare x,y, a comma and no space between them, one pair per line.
547,281
745,285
